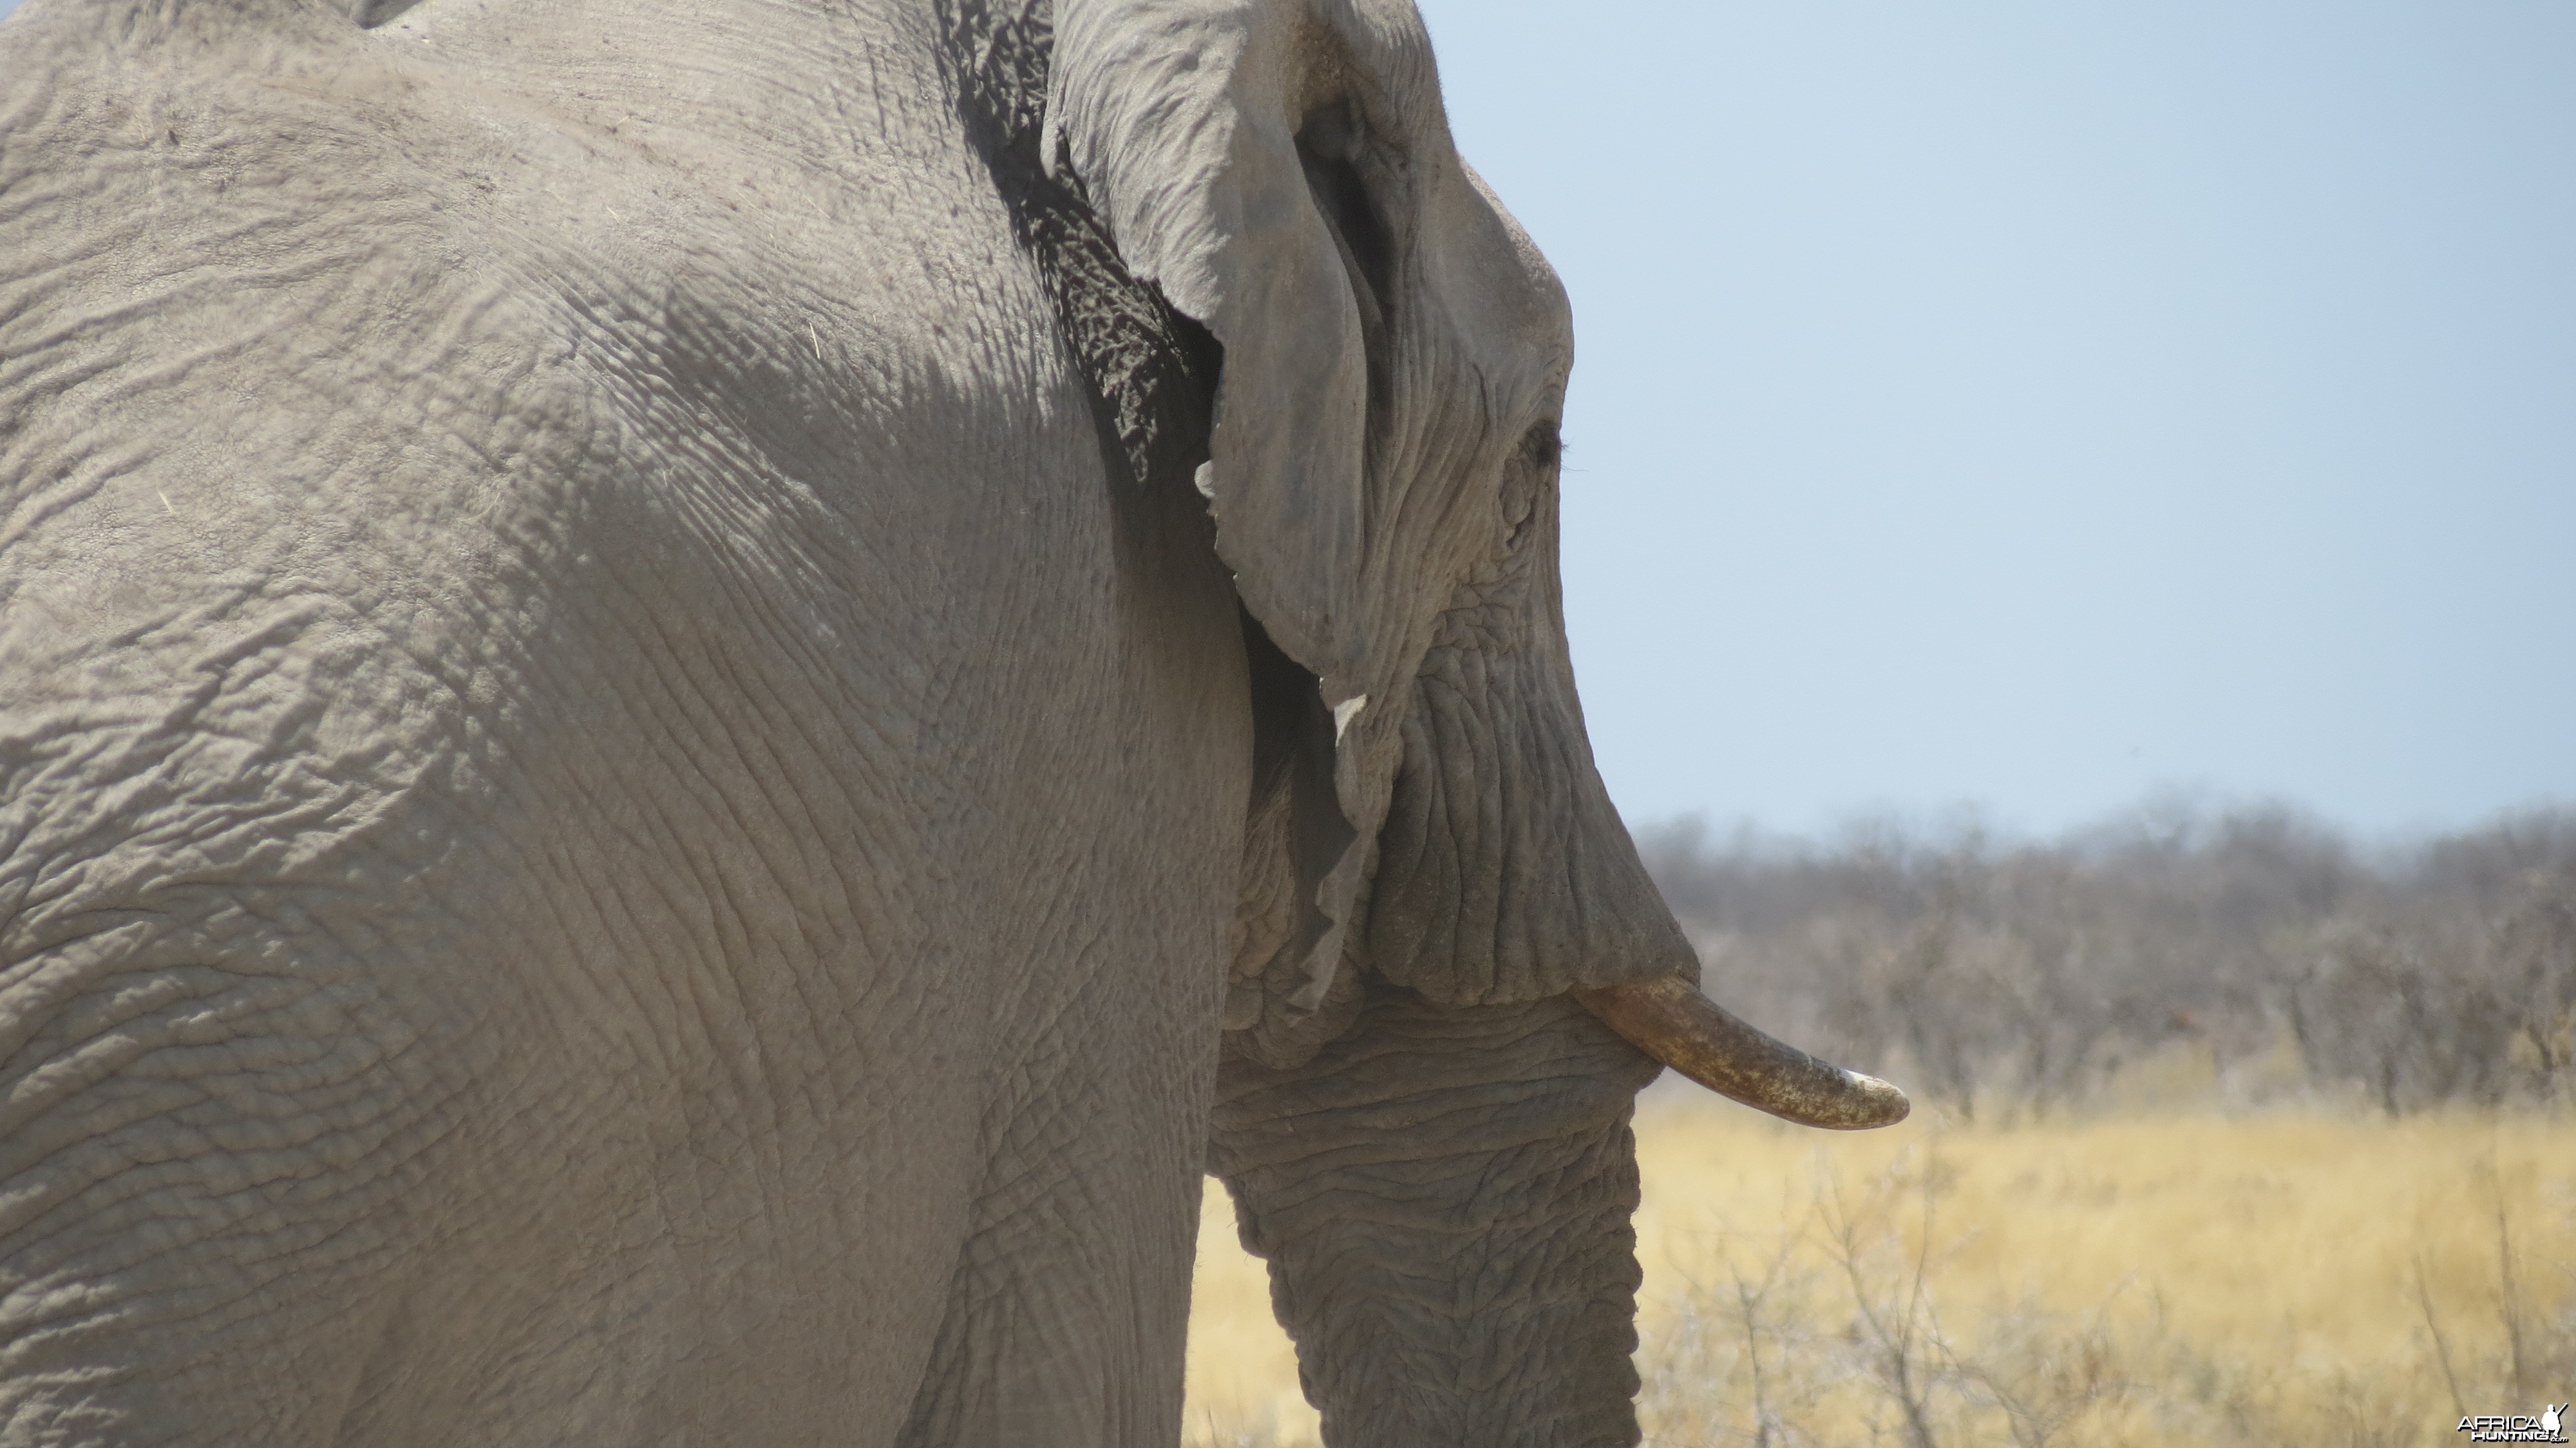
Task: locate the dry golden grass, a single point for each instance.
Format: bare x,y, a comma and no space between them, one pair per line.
2152,1280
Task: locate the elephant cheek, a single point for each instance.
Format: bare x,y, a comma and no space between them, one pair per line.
1504,873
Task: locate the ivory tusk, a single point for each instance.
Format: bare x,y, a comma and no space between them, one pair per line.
1671,1021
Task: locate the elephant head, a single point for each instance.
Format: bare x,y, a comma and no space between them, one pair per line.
1445,932
478,898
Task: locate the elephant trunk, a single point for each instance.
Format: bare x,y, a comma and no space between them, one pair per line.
1668,1019
1443,1195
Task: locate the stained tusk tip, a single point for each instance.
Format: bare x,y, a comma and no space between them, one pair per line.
1669,1020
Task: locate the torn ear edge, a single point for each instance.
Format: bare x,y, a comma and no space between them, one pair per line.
1288,987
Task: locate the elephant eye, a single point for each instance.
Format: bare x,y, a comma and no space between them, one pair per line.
1542,445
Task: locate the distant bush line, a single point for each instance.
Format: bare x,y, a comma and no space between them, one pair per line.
2025,977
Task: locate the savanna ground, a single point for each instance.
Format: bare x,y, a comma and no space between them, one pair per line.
2229,1128
2160,1277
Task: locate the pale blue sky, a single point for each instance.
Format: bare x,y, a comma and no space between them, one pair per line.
2034,404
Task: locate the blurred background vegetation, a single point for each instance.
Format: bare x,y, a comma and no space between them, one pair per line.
2230,1127
2241,956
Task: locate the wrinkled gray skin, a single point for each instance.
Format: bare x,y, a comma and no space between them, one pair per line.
694,696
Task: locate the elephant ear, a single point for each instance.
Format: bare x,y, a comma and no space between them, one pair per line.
1180,118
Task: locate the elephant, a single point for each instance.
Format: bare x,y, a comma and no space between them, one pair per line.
696,699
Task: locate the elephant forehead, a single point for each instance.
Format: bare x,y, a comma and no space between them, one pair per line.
1495,284
1507,302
